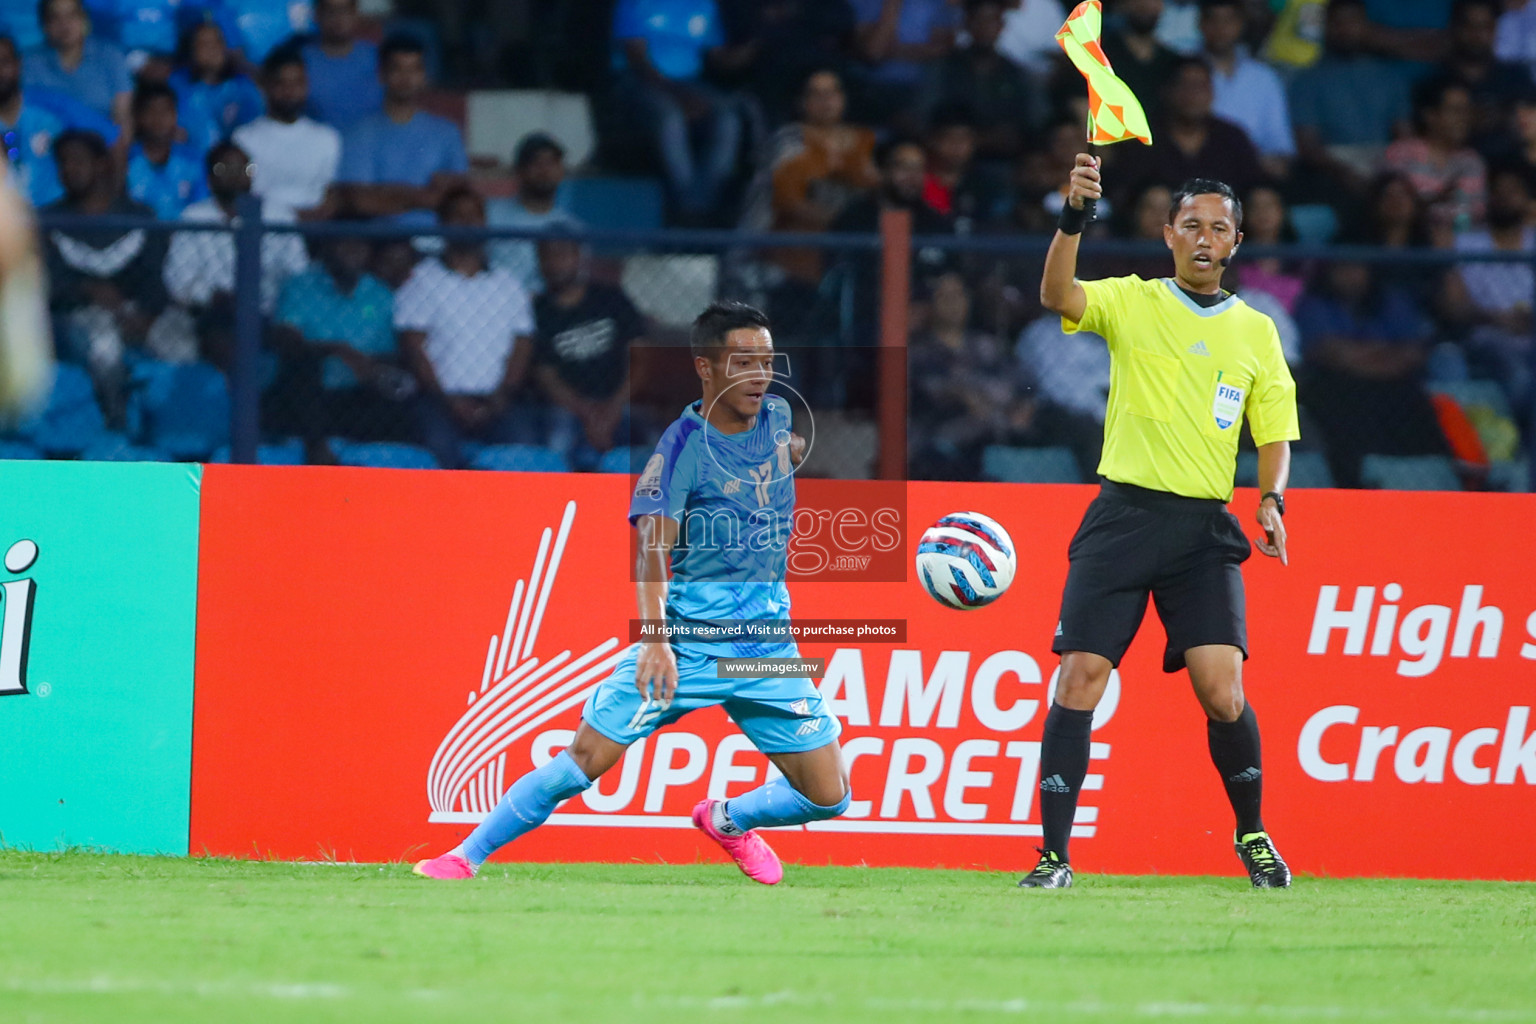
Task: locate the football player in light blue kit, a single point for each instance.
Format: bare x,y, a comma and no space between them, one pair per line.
714,505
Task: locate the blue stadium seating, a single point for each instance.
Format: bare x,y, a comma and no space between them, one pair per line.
616,204
1409,473
520,458
71,421
382,454
1315,223
282,453
1308,469
117,448
184,409
623,460
19,450
1030,465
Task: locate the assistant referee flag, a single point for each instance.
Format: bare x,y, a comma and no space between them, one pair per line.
1181,379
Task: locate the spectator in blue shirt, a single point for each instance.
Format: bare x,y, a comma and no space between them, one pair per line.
402,158
662,47
341,375
1248,92
539,166
257,27
899,39
343,69
163,173
215,97
76,63
1378,96
27,132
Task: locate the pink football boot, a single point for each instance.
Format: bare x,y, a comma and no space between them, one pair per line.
755,857
448,866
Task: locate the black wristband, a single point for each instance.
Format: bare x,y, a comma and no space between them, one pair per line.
1072,220
1279,501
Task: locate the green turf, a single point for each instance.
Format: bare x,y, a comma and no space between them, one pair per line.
127,939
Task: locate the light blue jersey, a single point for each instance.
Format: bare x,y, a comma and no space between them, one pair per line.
733,497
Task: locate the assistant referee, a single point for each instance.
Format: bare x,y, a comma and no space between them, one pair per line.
1187,362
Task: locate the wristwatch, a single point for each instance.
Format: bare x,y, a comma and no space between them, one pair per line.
1279,500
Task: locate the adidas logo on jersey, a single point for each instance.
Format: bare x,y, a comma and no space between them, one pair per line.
1199,349
732,486
1055,784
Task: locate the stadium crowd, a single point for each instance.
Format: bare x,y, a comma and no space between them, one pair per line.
1400,125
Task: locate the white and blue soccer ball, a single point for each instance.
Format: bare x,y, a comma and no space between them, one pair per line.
965,560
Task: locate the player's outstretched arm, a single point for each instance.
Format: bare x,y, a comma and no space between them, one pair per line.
656,666
1274,474
1059,290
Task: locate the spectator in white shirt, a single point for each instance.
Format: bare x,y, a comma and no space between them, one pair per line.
1248,92
466,332
1029,35
200,267
295,157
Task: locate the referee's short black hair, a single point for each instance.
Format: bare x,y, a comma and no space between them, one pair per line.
719,319
1206,187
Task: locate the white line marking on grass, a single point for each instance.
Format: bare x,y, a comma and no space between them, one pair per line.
1154,1010
108,985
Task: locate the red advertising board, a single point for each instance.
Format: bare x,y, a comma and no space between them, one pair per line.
380,653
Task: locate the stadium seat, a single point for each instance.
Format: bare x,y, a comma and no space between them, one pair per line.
282,453
71,421
184,408
1310,469
623,460
1409,473
1470,393
1030,465
382,454
117,448
671,289
497,119
519,458
1315,223
616,204
19,450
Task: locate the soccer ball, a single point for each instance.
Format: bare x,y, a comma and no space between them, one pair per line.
965,560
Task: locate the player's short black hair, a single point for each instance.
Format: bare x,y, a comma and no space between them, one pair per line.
399,42
1206,187
147,92
719,319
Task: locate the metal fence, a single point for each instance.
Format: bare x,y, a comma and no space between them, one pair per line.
371,343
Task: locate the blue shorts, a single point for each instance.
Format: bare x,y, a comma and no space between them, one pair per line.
780,716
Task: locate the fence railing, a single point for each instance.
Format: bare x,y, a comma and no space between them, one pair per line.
842,304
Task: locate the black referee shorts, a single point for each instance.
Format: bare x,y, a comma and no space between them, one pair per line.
1185,552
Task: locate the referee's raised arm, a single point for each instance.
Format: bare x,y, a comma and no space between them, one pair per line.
1059,290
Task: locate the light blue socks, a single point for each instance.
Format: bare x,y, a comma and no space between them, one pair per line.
778,803
524,807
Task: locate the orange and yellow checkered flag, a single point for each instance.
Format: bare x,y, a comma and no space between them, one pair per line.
1114,112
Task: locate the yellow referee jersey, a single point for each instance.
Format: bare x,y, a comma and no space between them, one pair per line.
1181,378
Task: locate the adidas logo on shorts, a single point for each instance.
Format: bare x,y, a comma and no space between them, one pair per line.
1246,775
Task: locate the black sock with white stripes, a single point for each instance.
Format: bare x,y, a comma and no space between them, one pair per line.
1235,753
1063,764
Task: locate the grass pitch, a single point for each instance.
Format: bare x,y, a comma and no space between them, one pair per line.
129,939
